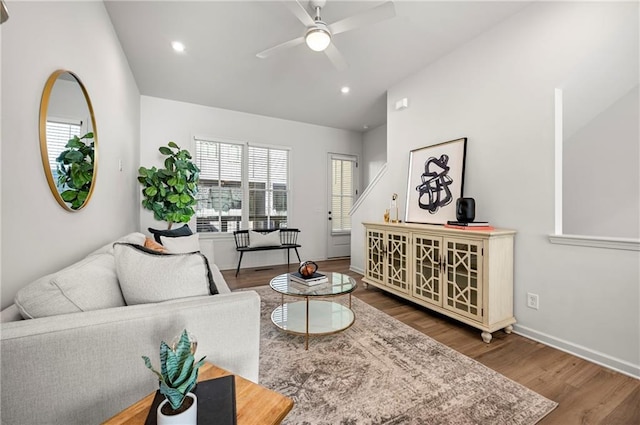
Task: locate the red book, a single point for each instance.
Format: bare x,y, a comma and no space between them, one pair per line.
451,226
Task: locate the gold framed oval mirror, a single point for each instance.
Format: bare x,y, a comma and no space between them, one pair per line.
68,140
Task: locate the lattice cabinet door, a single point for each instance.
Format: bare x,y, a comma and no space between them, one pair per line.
375,255
397,261
463,277
427,284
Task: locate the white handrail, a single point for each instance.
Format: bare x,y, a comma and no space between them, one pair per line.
369,188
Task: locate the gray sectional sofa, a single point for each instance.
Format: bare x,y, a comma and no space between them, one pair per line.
84,366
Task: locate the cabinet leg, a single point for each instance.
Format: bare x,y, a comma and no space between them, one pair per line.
508,329
365,285
486,337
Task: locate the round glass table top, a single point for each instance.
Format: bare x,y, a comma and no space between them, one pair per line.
338,284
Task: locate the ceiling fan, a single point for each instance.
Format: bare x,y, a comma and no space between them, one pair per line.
318,34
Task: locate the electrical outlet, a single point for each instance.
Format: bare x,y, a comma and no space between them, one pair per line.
532,300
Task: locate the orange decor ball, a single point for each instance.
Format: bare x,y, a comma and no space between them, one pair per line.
307,268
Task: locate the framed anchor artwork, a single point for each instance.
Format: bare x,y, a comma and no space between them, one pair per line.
436,181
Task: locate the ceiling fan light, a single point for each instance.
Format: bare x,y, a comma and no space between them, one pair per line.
318,39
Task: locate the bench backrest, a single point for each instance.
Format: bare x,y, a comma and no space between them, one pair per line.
288,236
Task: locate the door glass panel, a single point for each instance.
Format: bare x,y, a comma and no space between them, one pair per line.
342,193
427,271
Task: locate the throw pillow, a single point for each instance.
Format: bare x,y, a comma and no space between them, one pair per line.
90,284
173,233
136,238
257,239
153,245
181,245
148,276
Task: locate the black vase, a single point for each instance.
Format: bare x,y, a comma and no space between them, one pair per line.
465,210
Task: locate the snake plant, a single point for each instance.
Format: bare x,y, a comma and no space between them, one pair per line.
178,370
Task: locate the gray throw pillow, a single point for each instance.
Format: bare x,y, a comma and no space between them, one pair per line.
89,284
258,239
148,276
182,245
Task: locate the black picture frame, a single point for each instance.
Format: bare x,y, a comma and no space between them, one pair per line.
435,181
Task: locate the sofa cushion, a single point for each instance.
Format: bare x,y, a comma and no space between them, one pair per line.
10,314
218,279
257,239
148,276
173,233
90,284
181,245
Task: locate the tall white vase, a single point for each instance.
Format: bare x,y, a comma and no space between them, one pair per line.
188,417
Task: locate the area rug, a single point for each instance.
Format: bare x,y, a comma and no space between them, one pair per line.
381,371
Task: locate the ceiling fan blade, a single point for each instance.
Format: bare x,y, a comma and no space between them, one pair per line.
301,13
279,47
379,13
336,58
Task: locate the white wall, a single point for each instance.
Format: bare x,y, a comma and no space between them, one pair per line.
164,120
38,235
374,152
498,91
67,101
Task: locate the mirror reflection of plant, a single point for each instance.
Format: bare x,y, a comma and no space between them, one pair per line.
170,192
75,170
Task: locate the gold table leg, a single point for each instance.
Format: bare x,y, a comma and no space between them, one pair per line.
306,343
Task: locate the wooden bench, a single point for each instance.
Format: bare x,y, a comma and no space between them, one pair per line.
288,241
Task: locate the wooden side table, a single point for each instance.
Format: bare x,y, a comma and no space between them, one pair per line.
255,404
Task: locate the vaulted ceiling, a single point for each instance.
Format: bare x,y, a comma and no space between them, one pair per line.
219,67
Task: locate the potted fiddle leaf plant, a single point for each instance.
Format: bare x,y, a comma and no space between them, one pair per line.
178,375
170,192
76,170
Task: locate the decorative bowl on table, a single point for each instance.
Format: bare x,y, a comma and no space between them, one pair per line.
307,268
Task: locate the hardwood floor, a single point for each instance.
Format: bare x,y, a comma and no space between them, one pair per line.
586,393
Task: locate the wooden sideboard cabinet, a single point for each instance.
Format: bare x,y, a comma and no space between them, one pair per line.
464,274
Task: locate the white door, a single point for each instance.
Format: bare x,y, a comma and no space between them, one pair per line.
342,194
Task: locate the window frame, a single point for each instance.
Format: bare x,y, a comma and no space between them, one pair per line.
355,175
55,145
245,145
559,237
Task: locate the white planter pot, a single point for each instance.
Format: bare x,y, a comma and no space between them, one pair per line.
188,417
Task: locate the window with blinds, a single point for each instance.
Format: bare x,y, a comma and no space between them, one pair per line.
241,186
342,193
220,189
58,135
268,187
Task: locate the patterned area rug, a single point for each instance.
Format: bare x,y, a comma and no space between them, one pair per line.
381,371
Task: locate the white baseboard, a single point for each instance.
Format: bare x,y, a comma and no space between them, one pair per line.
356,269
596,357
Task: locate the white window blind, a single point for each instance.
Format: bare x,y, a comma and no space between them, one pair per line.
58,135
230,199
220,186
342,193
268,187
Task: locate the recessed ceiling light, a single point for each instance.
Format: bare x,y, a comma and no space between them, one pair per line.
366,127
177,46
345,90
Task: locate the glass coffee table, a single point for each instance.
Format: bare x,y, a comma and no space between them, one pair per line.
313,315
